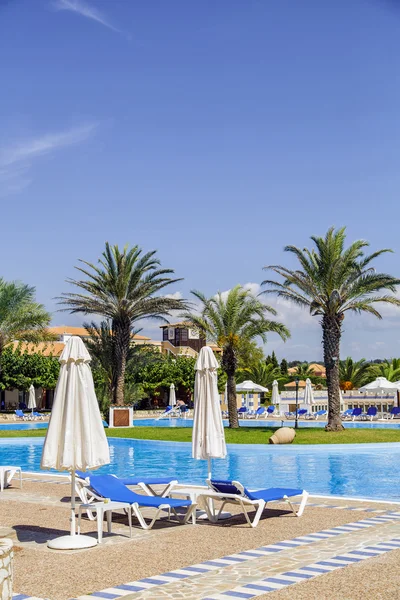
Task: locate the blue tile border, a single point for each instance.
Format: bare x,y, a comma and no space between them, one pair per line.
111,593
282,580
207,566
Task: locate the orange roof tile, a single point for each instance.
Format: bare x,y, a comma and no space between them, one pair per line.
82,332
69,330
45,348
292,384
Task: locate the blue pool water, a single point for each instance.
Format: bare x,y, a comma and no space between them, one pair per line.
359,470
270,423
243,422
21,426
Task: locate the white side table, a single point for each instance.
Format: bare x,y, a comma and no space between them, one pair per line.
101,508
5,478
195,493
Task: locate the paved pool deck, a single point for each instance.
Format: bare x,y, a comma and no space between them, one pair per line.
343,549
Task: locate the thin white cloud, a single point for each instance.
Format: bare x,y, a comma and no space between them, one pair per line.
16,159
85,10
44,144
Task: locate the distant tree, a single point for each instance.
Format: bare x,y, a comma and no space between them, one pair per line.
274,360
331,281
226,320
353,374
19,370
249,353
303,372
124,287
262,374
295,363
101,345
388,368
284,366
160,374
21,317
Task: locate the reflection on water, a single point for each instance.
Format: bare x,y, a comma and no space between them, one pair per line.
363,470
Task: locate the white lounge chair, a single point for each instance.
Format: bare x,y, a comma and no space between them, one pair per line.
7,472
233,492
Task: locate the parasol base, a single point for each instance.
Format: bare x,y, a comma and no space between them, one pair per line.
72,542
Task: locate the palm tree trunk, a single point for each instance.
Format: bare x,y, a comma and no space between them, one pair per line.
331,333
122,332
232,405
229,363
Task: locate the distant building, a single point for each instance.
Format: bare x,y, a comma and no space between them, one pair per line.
184,340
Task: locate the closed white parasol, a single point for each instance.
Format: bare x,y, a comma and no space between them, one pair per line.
32,399
75,438
308,394
208,439
275,398
172,396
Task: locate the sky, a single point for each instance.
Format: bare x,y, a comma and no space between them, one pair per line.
213,132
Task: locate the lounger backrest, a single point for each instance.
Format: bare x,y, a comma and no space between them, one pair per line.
371,412
109,486
395,410
19,413
356,412
225,487
270,409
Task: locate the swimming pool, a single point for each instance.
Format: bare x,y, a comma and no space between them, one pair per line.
21,426
359,470
270,423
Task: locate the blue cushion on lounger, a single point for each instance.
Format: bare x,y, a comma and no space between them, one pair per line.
111,487
227,487
135,480
272,494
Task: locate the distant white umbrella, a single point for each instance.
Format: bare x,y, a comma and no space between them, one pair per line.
381,384
75,438
172,397
32,399
250,386
208,438
308,399
275,398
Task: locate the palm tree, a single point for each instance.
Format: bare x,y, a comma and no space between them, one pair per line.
21,317
101,345
303,372
353,374
261,373
123,288
331,281
388,368
225,320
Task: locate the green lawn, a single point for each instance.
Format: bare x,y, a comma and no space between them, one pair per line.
244,435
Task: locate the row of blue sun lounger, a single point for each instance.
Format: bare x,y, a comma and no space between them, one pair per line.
372,413
263,412
31,416
98,488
